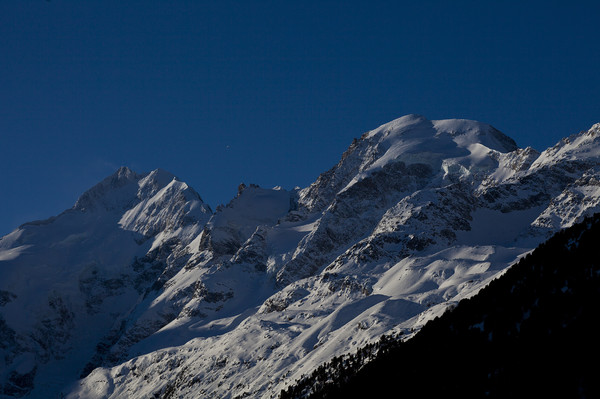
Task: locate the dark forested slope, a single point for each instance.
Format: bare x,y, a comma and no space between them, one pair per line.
531,333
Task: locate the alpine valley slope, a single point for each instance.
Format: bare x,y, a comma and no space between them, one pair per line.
138,291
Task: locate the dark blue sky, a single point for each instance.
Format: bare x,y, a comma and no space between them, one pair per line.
268,92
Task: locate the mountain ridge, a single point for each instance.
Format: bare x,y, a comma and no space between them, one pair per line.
404,226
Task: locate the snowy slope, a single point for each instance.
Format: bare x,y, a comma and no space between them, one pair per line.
68,277
416,215
403,226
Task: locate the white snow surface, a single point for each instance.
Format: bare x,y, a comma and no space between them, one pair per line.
67,276
156,299
454,144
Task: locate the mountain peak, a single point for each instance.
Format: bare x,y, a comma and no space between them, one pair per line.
161,175
445,147
463,131
123,189
110,192
413,139
583,147
124,173
154,182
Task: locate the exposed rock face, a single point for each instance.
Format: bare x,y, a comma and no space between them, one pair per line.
415,216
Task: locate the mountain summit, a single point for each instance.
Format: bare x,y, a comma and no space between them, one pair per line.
141,290
413,140
64,279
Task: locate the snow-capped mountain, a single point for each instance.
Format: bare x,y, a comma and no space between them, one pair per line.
142,291
531,333
64,281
